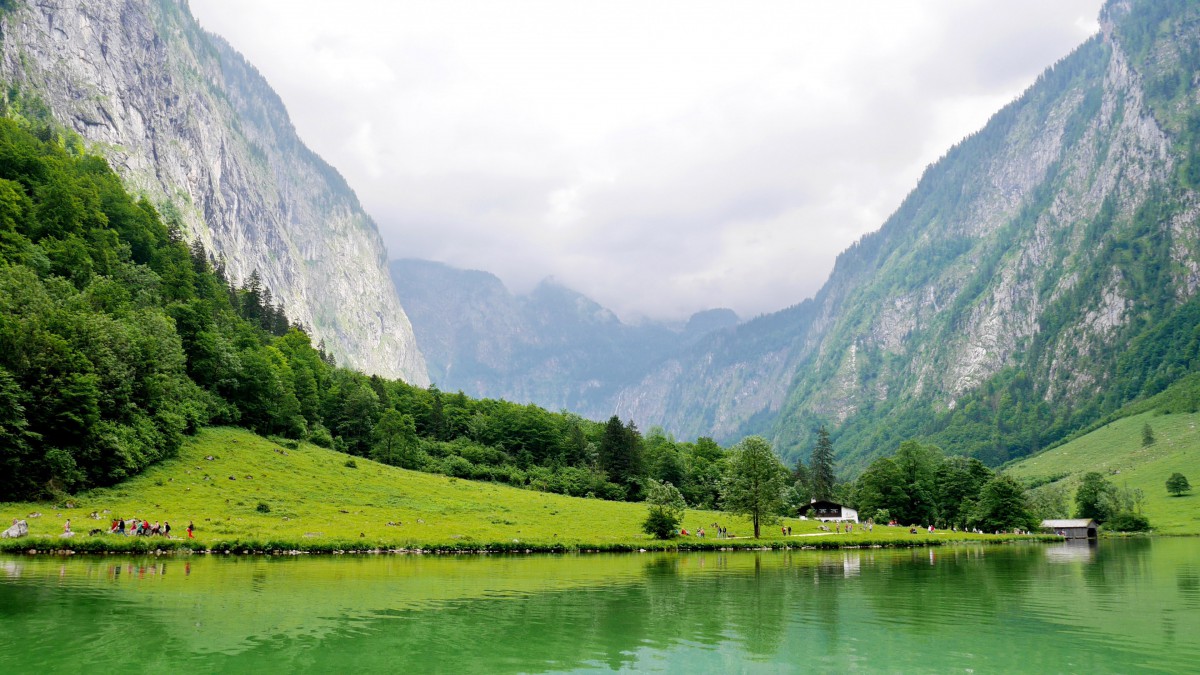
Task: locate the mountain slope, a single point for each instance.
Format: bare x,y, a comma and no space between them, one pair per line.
188,122
989,313
553,346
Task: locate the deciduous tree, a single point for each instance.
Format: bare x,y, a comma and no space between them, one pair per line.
754,482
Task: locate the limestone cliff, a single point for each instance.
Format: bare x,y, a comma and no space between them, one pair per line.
194,127
1012,280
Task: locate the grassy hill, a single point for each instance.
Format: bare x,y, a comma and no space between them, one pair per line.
244,491
1116,451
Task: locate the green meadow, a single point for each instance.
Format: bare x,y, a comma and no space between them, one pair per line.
1116,451
244,492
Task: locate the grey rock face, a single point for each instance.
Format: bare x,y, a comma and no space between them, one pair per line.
191,125
19,528
958,282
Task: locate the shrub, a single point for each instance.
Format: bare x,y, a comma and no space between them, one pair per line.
660,524
458,467
263,507
351,464
320,436
1127,521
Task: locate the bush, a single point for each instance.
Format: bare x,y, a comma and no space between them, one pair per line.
458,467
661,524
321,436
263,507
351,464
1127,521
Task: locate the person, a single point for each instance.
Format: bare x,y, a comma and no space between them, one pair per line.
839,527
789,530
166,529
67,527
190,528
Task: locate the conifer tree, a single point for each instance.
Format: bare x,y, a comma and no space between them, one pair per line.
821,462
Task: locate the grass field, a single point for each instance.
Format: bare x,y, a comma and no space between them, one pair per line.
1116,451
313,501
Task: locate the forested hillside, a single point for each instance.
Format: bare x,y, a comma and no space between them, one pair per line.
117,339
188,123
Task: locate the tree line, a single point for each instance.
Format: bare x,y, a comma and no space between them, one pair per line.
118,339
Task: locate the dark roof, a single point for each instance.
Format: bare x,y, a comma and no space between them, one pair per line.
825,504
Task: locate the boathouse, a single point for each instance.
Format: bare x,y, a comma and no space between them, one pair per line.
822,509
1079,528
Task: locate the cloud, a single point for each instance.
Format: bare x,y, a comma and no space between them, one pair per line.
659,157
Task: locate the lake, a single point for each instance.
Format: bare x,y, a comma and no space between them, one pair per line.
1119,606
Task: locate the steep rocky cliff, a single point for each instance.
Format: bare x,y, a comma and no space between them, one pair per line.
998,309
194,127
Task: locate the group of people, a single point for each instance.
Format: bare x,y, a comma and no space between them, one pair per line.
722,532
143,528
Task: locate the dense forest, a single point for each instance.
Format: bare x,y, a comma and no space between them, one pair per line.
117,339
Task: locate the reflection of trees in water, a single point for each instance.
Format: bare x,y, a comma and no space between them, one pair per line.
1117,562
924,590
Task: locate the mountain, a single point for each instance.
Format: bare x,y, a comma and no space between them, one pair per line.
553,346
189,123
1042,273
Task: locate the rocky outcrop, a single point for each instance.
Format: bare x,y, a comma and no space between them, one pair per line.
194,127
1027,246
19,528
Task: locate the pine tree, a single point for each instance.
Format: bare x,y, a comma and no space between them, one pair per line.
821,463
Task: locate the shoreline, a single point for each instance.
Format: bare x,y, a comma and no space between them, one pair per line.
98,546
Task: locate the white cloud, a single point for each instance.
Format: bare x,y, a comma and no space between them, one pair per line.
661,157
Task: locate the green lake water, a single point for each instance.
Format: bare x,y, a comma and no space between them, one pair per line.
1119,607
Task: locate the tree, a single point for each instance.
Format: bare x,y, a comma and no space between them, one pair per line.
666,509
1178,484
1147,435
1096,498
395,434
1002,506
823,478
621,454
754,482
880,491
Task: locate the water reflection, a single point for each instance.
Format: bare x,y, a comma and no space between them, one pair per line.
918,610
1072,551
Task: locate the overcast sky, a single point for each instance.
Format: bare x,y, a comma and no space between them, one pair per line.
660,157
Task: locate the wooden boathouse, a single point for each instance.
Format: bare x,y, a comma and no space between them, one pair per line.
1079,528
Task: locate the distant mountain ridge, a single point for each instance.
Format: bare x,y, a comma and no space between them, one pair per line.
553,346
188,122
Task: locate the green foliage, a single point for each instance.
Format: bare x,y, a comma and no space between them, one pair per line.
263,507
1147,435
1127,521
1177,484
666,509
822,475
754,482
1002,507
1096,498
